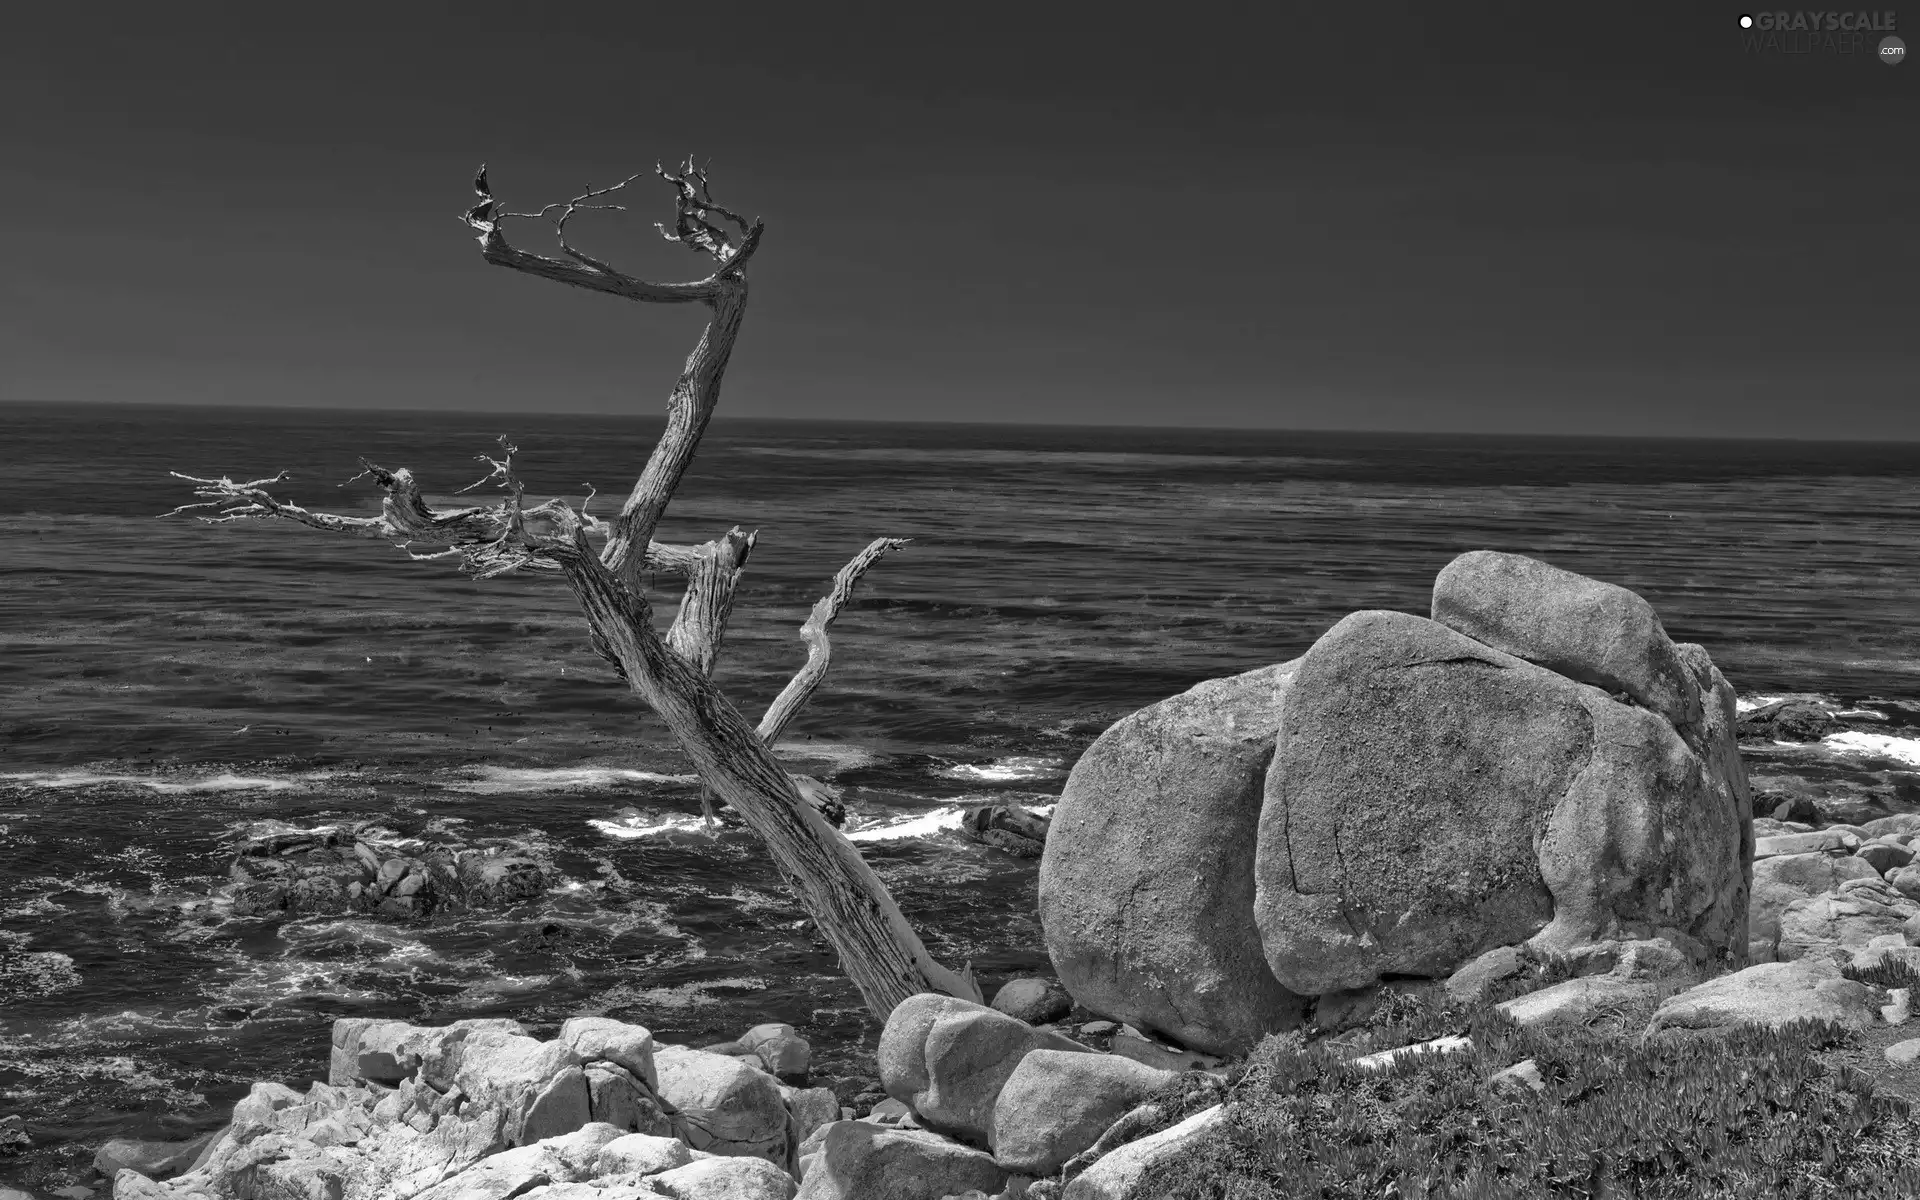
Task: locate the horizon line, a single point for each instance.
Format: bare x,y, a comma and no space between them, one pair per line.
1005,424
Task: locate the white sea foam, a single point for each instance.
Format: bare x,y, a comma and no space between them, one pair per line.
1749,703
924,825
1878,745
497,780
644,825
1006,770
224,782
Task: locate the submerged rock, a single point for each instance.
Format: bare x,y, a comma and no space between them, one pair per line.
1006,827
1788,721
281,869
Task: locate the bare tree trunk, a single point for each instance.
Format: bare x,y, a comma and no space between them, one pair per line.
878,948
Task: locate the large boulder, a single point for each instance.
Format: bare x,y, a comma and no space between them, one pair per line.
1055,1105
858,1160
1146,885
1431,798
1597,633
948,1059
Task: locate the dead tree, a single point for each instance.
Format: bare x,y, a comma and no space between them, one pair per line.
671,673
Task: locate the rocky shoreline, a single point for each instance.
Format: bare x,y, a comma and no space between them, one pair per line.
1600,865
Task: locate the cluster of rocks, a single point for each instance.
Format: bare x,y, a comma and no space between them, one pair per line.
1537,764
1840,886
280,868
478,1109
979,1103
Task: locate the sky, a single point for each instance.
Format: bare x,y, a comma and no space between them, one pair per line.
1610,220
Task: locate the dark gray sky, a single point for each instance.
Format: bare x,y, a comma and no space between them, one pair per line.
1338,216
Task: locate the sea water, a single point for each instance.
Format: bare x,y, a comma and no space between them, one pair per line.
165,683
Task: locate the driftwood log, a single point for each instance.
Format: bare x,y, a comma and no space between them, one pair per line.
671,673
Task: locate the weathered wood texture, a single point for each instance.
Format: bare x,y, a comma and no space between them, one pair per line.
878,949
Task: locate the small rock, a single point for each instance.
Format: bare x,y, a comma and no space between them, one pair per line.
1885,854
1114,1174
1898,825
812,1108
1899,1006
1521,1076
624,1045
1337,1012
1890,948
1099,1028
1035,1001
1386,1058
888,1111
1906,881
784,1052
1578,999
1796,808
1130,1043
1471,983
154,1159
1904,1054
641,1154
725,1179
1823,841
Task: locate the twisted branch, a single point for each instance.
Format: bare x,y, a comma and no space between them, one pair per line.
801,687
484,536
691,229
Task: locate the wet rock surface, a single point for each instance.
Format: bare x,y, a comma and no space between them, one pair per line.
280,869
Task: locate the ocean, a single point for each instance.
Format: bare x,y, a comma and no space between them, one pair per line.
165,683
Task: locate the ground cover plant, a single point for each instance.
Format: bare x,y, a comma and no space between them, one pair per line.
1742,1113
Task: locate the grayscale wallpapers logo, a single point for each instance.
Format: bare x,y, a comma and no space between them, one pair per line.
1824,32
